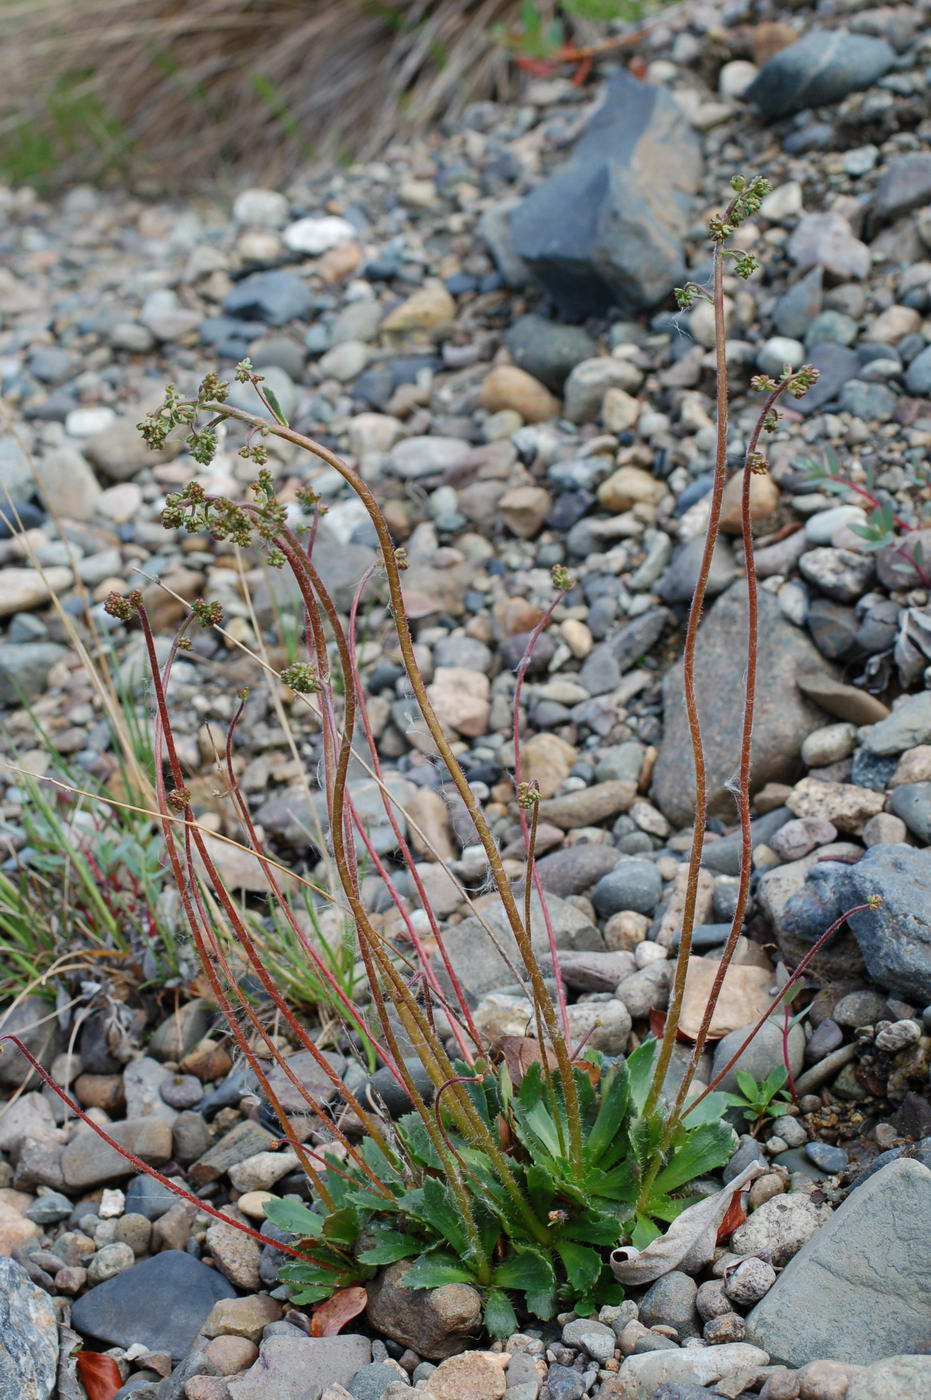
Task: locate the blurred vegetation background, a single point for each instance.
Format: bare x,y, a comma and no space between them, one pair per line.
161,92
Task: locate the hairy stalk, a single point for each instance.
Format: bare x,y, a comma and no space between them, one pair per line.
744,769
405,641
677,993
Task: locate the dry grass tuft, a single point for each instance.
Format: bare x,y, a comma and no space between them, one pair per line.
167,88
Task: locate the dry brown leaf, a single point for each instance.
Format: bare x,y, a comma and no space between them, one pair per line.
690,1240
99,1375
331,1317
744,997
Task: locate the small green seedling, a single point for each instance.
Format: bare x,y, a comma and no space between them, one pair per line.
761,1100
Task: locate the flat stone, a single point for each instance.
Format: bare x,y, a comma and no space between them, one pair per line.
905,1377
783,716
695,1365
862,1304
895,939
301,1368
89,1161
588,806
159,1303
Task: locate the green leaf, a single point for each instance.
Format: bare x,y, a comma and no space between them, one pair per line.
274,405
645,1134
529,1271
705,1149
748,1086
433,1270
416,1139
711,1109
640,1072
541,1188
777,1110
311,1295
644,1232
295,1218
432,1204
342,1226
609,1124
594,1227
776,1079
582,1265
389,1247
500,1317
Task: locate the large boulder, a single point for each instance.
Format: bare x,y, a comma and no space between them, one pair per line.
28,1337
783,714
895,938
860,1289
607,227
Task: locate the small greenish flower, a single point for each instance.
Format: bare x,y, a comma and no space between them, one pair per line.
244,373
562,579
302,678
207,614
179,799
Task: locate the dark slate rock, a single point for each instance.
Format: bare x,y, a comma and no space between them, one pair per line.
835,365
872,770
820,68
604,666
382,1087
704,936
918,375
563,1383
833,627
548,350
904,185
607,226
24,668
273,297
895,939
783,715
912,802
160,1302
723,853
25,516
827,1158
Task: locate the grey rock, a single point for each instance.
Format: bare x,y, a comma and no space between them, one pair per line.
301,1368
860,1009
16,478
723,854
678,582
646,990
780,1226
604,666
918,374
763,1052
857,1304
690,1365
906,1377
607,226
671,1301
146,1196
548,349
835,365
574,869
827,1158
29,1020
783,717
180,1032
24,668
908,726
840,573
905,184
591,1336
632,884
595,972
797,308
895,939
874,402
818,69
479,965
160,1302
273,297
750,1281
912,802
90,1161
370,1382
28,1336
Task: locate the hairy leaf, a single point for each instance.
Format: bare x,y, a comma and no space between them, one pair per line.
294,1217
500,1317
433,1270
582,1265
